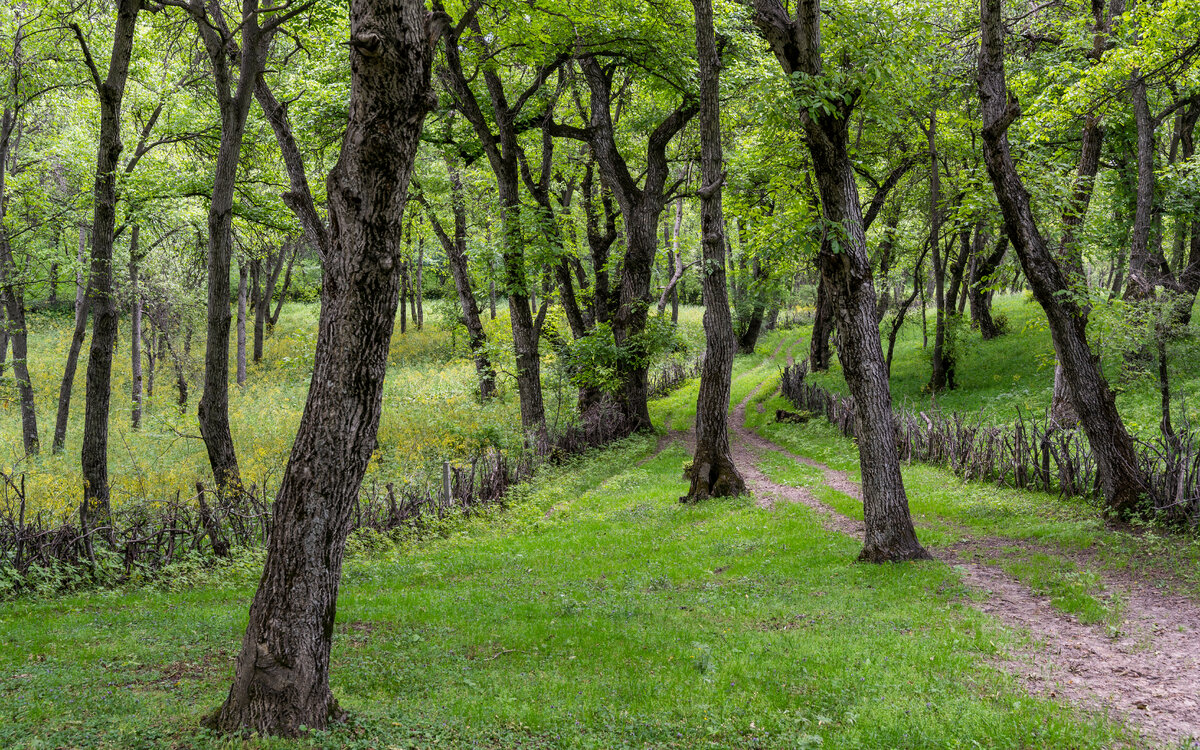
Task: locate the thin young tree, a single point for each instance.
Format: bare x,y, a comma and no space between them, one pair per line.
281,681
712,472
456,253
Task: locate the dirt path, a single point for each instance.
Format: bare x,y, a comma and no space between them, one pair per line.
1147,675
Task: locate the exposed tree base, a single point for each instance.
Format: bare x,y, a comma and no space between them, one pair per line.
713,476
268,717
906,551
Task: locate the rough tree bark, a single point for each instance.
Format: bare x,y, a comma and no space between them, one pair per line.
796,42
105,320
1121,480
712,472
281,681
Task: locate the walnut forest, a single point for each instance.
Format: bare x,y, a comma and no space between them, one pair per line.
531,374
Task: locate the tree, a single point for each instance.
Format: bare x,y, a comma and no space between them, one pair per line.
712,471
1121,478
111,92
456,253
236,70
502,149
846,270
641,205
281,681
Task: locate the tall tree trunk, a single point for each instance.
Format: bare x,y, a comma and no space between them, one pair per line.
502,150
889,531
1189,277
981,277
241,325
403,295
105,321
3,339
712,471
83,300
1142,274
14,302
818,348
281,681
234,97
420,283
943,366
1121,479
152,354
135,331
261,296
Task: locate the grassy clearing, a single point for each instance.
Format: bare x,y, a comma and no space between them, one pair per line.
598,612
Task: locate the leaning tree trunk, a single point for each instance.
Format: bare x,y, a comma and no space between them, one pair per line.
105,321
456,254
281,682
82,306
234,96
1121,479
712,472
889,530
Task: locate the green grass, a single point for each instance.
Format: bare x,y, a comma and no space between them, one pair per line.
622,619
598,612
948,509
1016,371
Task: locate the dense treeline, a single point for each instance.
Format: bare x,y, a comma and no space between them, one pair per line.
174,172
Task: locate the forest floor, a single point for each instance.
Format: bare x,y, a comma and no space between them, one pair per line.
598,612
